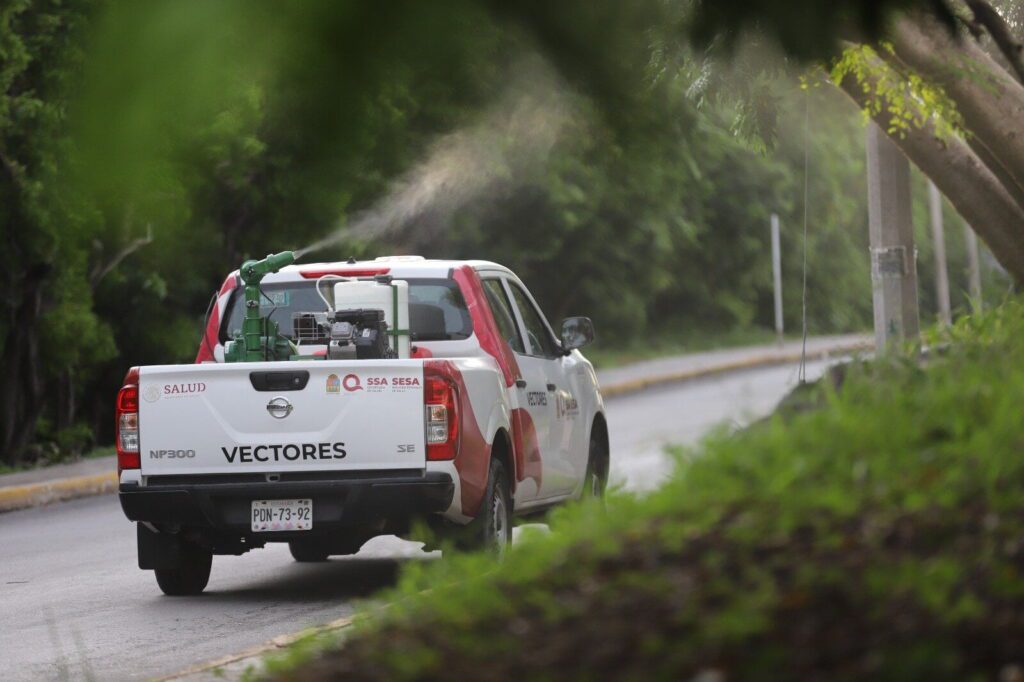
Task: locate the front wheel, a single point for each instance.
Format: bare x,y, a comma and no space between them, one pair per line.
190,577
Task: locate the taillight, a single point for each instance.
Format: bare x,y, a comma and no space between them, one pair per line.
440,402
126,428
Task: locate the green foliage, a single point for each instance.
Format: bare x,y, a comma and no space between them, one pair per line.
806,29
875,536
47,233
911,100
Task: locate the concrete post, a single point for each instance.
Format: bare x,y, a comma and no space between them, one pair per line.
939,244
777,276
973,267
893,256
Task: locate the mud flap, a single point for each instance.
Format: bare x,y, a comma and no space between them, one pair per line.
158,550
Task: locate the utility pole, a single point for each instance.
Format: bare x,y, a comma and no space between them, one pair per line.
973,267
777,276
939,243
893,256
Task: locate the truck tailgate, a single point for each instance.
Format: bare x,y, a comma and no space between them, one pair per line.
298,416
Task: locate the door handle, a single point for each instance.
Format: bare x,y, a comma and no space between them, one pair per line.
521,383
552,388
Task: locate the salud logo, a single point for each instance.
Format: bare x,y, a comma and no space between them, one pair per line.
151,393
182,390
333,383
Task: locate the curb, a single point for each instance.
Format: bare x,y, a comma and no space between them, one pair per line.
257,653
763,360
37,494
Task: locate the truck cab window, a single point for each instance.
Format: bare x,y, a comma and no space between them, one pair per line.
437,311
540,339
502,312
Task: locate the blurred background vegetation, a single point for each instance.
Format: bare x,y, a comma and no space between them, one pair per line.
147,150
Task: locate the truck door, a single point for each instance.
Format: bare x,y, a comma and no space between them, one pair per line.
531,420
549,388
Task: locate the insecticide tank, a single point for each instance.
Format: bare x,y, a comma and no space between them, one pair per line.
366,319
389,296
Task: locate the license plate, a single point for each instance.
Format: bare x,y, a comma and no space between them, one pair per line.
279,515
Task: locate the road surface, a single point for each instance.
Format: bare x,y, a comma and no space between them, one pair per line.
73,605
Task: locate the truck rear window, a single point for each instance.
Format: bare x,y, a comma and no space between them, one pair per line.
437,311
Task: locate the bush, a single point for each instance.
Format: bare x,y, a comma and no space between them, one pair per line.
75,440
881,535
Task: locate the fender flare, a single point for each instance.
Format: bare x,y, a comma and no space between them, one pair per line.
499,425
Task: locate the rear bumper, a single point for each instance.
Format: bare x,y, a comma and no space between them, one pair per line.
343,503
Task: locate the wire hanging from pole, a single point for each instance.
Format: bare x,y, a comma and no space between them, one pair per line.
802,375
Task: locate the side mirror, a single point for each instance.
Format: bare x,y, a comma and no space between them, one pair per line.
576,332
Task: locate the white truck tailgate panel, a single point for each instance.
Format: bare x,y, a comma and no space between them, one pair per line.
352,415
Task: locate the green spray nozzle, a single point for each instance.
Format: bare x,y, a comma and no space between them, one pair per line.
259,339
252,271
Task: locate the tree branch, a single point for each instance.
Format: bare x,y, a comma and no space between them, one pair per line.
102,270
988,96
969,184
1011,48
991,160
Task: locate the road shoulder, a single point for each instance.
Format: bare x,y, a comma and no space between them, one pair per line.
58,483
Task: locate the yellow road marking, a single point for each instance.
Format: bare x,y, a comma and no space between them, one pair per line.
34,494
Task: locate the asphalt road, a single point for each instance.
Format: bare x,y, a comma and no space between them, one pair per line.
73,605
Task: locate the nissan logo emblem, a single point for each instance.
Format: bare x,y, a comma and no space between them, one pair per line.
279,408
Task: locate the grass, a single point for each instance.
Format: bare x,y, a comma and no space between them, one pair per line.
103,451
97,452
870,530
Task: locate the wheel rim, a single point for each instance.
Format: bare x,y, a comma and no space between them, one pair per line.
499,522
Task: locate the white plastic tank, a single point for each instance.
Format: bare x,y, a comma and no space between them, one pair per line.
373,295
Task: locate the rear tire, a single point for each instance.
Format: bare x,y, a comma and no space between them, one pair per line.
191,576
491,530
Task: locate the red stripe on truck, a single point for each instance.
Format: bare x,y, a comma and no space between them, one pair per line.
317,273
484,326
524,434
212,333
527,448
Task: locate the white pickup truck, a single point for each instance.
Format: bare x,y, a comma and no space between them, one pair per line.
488,414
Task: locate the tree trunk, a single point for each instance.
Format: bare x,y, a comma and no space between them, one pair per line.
65,387
21,392
971,187
989,98
993,164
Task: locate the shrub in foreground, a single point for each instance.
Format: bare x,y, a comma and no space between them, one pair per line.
881,535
